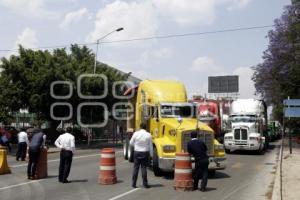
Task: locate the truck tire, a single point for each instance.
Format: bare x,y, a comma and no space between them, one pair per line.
156,170
130,154
125,150
227,151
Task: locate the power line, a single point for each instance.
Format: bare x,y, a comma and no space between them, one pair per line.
153,37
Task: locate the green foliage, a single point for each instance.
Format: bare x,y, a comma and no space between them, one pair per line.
278,76
26,79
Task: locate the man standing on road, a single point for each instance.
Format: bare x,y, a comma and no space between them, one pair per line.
37,142
22,145
66,142
142,143
198,149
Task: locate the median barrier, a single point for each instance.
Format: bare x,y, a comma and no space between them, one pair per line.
107,167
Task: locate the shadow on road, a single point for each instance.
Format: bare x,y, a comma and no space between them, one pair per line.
219,175
79,181
156,185
208,189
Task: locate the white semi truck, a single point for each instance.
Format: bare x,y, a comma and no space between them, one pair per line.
249,126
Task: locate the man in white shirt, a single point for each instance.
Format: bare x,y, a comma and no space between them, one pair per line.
142,143
66,142
22,145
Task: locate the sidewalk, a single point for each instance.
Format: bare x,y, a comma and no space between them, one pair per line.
290,173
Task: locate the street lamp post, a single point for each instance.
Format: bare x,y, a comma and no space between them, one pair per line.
117,30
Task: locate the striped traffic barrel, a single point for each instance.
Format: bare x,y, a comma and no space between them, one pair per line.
107,167
183,179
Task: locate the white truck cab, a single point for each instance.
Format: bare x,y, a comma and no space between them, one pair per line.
248,126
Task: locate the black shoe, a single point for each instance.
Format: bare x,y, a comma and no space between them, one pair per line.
134,186
66,181
30,178
61,181
202,189
195,188
146,186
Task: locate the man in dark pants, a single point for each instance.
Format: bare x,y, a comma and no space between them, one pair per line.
36,143
22,145
198,149
142,142
66,142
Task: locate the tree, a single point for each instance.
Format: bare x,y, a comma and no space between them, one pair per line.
26,79
278,76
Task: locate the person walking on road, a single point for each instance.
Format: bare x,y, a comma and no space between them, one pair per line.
142,142
37,142
22,145
66,142
198,149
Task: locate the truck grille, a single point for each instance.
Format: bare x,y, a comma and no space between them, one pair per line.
240,134
207,137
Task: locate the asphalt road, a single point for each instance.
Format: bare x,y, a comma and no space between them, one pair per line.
247,176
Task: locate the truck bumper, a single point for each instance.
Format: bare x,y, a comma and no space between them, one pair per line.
215,163
166,164
248,147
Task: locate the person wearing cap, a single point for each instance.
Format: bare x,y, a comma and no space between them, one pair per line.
198,149
37,142
22,145
142,142
66,142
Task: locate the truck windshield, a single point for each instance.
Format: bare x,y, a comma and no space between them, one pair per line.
176,110
242,118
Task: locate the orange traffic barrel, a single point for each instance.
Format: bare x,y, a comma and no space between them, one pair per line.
42,167
183,179
4,168
107,167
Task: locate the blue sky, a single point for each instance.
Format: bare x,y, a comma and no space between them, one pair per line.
36,23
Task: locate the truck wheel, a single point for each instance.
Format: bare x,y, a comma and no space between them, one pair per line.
130,154
227,151
125,150
157,171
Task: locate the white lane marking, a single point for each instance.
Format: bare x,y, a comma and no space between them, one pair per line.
124,194
17,185
55,160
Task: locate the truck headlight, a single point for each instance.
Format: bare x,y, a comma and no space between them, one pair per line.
219,147
172,132
255,138
169,148
228,138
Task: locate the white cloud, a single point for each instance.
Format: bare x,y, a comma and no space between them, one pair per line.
27,38
73,17
246,85
236,4
137,18
153,56
33,8
206,65
191,12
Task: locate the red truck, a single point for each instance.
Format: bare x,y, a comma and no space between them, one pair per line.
214,113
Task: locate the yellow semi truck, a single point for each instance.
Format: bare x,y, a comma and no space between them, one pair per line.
170,119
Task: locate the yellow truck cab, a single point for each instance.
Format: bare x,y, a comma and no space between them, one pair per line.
170,119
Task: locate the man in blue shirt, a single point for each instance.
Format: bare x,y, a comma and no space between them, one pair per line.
197,148
36,143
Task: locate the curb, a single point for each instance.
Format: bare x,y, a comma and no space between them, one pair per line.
276,188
